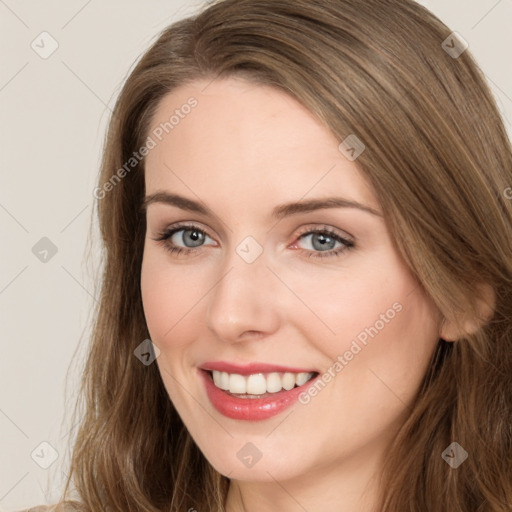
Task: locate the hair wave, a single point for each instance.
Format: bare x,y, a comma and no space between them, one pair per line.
439,159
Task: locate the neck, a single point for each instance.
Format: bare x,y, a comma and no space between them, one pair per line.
350,486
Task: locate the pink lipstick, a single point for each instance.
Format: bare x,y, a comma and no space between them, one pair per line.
244,406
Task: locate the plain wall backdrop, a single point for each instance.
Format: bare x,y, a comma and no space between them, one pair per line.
54,109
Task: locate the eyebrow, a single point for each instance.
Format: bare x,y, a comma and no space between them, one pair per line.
279,212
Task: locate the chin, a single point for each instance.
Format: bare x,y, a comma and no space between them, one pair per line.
245,461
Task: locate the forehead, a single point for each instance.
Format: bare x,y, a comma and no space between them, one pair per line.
237,135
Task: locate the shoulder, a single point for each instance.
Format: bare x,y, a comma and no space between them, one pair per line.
40,508
64,507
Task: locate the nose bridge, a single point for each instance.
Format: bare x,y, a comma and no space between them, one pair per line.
244,298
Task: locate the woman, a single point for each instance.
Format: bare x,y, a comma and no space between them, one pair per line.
307,295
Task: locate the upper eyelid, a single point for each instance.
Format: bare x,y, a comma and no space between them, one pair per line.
324,228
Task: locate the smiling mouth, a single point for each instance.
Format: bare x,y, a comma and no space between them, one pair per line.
259,385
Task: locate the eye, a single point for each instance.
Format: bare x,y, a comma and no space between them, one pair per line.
188,234
322,241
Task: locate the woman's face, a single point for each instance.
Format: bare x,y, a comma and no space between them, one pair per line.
298,289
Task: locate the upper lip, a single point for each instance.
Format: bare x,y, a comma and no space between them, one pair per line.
251,368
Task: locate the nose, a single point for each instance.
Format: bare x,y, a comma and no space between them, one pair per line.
244,304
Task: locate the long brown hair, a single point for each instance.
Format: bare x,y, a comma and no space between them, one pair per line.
440,162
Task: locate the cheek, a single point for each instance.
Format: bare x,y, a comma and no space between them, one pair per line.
172,299
377,319
355,303
377,363
385,360
401,352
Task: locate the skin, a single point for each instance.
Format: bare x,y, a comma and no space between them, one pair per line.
244,149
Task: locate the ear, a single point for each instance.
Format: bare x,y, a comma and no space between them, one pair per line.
468,322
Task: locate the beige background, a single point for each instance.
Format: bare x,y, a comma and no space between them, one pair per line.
53,117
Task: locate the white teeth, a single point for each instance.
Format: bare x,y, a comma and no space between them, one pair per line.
274,383
217,378
259,383
237,383
224,380
288,381
302,378
256,384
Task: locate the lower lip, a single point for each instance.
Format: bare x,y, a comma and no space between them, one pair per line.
251,409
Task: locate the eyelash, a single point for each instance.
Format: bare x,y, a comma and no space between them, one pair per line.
348,244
